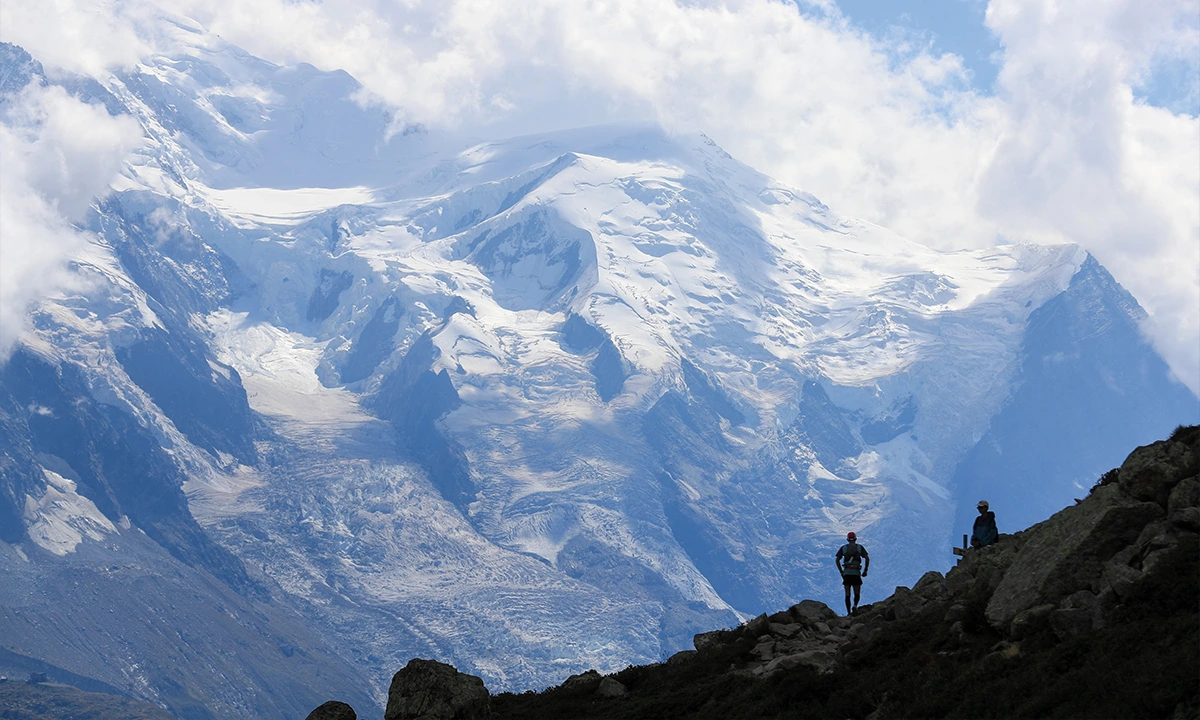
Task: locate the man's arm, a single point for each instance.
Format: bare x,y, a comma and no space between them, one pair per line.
867,564
837,560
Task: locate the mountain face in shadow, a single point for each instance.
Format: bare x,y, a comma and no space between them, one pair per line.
1088,385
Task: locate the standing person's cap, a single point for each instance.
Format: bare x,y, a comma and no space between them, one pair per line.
851,536
982,504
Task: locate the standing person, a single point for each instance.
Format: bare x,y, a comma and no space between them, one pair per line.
849,561
984,532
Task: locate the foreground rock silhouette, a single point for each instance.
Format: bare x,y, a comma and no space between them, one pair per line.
430,690
1091,613
333,710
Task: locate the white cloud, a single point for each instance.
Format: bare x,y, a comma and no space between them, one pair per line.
81,36
56,155
892,133
1078,159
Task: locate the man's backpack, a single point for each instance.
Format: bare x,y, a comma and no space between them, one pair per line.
851,559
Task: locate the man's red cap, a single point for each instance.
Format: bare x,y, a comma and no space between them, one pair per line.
851,536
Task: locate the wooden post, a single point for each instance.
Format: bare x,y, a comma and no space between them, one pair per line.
962,550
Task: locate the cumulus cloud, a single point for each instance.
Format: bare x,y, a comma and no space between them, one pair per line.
877,127
891,133
1079,159
56,155
81,36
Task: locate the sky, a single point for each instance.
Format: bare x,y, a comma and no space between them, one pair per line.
957,123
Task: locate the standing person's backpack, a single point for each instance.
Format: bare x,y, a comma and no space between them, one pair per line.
851,559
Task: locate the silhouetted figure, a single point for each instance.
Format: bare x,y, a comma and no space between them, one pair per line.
849,561
984,532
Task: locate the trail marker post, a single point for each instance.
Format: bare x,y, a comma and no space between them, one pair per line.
962,550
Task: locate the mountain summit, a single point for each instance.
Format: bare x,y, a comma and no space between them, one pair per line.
535,406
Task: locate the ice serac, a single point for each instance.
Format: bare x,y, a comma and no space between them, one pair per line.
536,406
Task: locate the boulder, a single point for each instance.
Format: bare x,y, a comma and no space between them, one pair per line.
1065,553
957,630
823,661
430,690
1155,535
1084,599
931,586
1120,578
708,639
863,632
785,631
1126,556
590,680
333,710
1106,602
810,612
1185,495
954,613
1025,620
681,657
765,649
1070,622
959,581
1154,557
1187,518
783,662
905,603
1152,471
757,626
611,688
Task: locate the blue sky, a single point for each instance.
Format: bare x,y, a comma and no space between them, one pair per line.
948,26
958,27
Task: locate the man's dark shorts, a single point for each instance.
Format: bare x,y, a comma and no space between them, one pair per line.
852,580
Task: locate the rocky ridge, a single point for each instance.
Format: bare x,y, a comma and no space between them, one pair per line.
1075,586
1073,569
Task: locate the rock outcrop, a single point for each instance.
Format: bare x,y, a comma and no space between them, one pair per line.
430,690
1083,560
333,710
808,633
1072,570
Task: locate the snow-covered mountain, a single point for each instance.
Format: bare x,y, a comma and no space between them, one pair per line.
332,394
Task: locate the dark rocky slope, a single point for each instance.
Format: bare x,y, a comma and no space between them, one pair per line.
1092,613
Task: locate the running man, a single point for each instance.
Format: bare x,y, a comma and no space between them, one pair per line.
849,561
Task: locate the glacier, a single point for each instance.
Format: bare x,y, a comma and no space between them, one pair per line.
335,392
